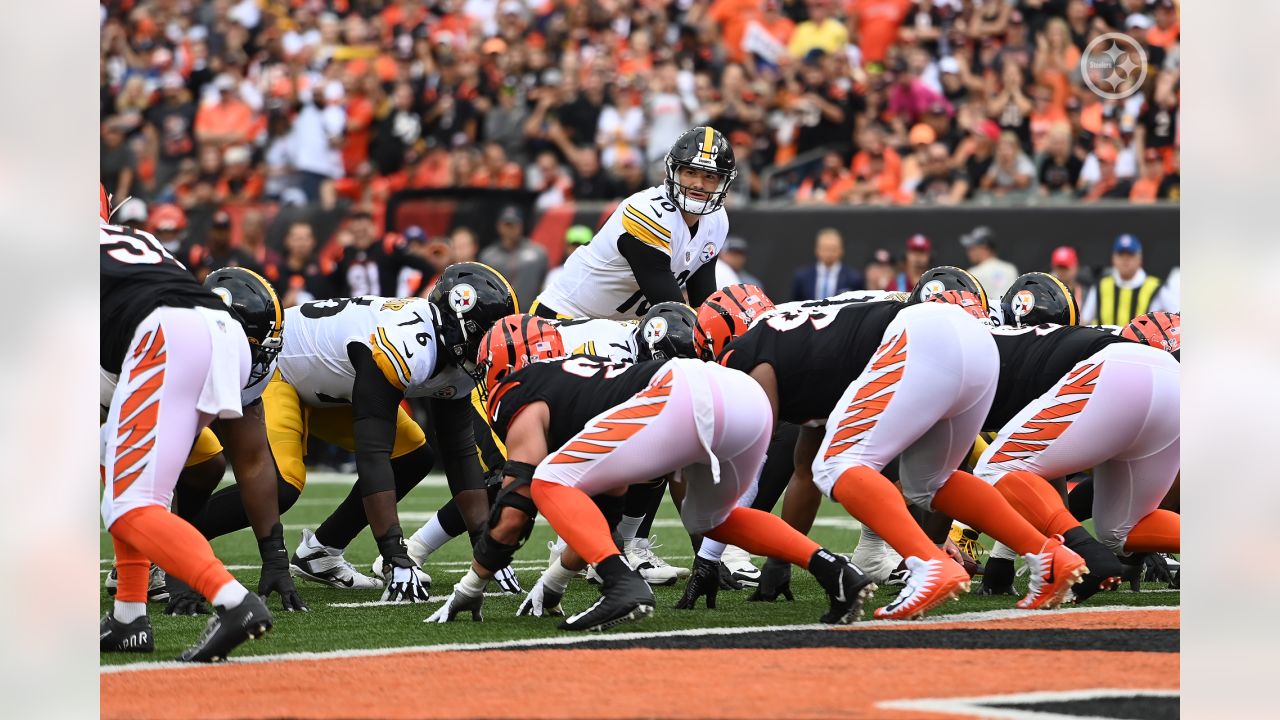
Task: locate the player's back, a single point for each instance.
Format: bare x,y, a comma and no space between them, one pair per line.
614,339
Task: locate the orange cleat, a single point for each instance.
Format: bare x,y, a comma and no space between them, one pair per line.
929,583
1053,571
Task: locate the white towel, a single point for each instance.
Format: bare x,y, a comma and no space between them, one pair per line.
228,367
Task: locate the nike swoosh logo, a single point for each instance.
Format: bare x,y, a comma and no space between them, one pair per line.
840,595
407,354
345,583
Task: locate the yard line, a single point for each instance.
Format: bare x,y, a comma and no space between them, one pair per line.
381,603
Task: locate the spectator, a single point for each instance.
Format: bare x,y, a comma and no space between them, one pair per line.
1012,174
396,130
829,275
316,141
218,251
589,182
880,273
1008,103
910,97
240,181
1126,291
829,185
977,153
117,165
919,258
253,240
303,277
132,214
876,170
172,123
548,178
1146,188
522,262
939,183
874,26
224,119
1098,177
370,266
731,268
821,31
996,275
577,236
463,246
168,224
1065,265
1059,165
496,171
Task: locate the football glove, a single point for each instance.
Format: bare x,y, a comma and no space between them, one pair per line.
404,585
541,602
183,600
456,604
275,572
775,581
507,580
705,581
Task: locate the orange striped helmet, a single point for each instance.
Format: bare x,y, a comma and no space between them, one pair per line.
968,301
1158,329
514,342
727,314
104,203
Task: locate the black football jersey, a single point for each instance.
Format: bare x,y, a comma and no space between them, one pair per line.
138,276
1033,359
816,351
576,389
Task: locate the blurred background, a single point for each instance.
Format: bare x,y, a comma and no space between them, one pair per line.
314,139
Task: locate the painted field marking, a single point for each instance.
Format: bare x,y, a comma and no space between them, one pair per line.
983,706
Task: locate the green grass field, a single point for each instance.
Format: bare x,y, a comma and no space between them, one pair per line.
330,627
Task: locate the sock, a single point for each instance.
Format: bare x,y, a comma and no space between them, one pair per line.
975,503
762,533
1160,531
611,508
1037,501
230,595
872,500
1081,500
313,544
556,577
433,534
450,519
628,526
998,574
471,584
1003,552
643,501
712,549
224,513
127,612
174,545
133,572
576,519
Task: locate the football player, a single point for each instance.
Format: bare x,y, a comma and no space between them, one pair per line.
582,426
1072,398
854,377
182,358
657,243
346,365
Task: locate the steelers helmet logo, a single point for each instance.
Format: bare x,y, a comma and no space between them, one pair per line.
223,293
708,252
655,330
445,393
931,288
462,298
1023,303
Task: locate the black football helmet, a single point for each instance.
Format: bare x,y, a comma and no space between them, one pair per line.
467,300
666,332
947,277
702,148
1036,298
251,300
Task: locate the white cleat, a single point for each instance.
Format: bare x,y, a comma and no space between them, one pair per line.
739,563
418,553
325,565
654,570
876,558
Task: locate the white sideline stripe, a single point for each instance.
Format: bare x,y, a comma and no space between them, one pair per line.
382,603
619,637
981,706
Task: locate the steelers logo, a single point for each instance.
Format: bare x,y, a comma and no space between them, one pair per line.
931,288
1023,303
462,298
655,330
708,252
445,393
223,293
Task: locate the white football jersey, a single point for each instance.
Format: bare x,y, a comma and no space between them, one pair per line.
399,331
613,339
597,281
845,298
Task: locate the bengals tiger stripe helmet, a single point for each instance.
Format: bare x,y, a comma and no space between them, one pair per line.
966,300
1036,298
1158,329
727,314
104,203
947,277
514,342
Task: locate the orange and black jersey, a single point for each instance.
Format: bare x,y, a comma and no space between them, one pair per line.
138,276
816,352
1033,359
576,389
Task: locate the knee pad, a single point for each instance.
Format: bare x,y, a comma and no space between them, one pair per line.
491,554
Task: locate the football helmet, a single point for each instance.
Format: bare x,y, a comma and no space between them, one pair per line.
666,332
104,203
947,277
514,342
467,300
251,300
167,218
1036,298
1158,329
702,148
727,314
967,301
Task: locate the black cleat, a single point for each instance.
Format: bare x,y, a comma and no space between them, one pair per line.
115,636
229,628
156,589
1001,590
775,582
846,585
624,597
1105,568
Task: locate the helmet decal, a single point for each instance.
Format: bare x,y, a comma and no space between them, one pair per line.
462,297
931,288
1023,303
655,330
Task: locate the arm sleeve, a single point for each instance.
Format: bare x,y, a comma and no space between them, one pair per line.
702,283
652,270
457,439
374,405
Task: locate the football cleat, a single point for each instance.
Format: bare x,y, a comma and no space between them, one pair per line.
541,602
1105,569
989,590
929,583
876,558
775,582
624,597
655,570
846,585
738,561
229,628
157,591
326,566
1052,572
115,636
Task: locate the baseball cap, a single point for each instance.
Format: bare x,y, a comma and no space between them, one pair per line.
414,234
980,235
511,214
1064,256
1138,21
919,242
578,235
221,219
949,65
133,211
1127,243
922,134
735,244
990,129
882,256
